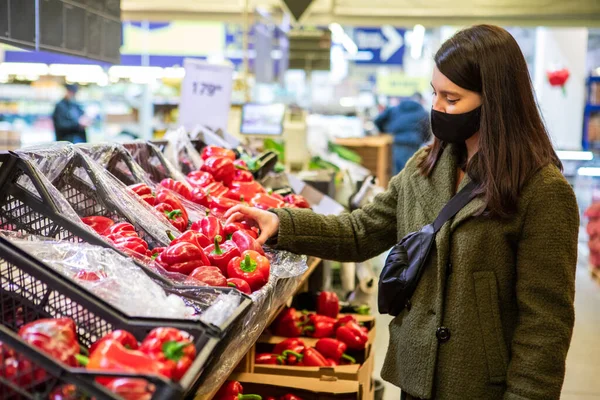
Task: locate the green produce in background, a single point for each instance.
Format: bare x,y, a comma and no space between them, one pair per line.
344,152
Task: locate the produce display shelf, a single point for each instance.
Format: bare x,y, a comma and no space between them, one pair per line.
274,310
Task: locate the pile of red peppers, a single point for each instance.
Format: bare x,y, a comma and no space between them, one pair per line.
233,390
167,352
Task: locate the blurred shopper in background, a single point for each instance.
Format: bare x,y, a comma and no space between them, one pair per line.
69,119
409,123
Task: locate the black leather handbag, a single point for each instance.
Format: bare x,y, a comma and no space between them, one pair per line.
405,263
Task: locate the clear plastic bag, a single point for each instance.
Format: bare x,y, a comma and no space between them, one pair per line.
74,179
180,151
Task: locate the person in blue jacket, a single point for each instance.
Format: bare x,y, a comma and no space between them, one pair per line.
69,119
409,123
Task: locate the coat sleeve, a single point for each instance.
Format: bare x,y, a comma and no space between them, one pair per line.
545,291
355,236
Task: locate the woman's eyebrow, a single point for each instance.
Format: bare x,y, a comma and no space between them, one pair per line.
446,92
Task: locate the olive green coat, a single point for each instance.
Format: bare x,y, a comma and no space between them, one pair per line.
509,284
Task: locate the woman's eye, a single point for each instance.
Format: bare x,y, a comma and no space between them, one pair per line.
452,101
434,93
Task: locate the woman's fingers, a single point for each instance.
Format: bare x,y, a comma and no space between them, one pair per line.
268,223
235,217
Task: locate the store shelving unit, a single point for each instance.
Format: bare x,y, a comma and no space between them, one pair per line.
589,109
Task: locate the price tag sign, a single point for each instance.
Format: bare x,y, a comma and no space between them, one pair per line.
205,95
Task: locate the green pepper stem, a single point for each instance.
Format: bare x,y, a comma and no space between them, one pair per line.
242,198
207,211
293,353
170,235
351,359
174,350
173,214
231,284
248,264
249,397
363,310
83,350
217,251
155,256
309,328
81,359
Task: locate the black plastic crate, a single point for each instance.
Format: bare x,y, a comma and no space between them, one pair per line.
29,290
26,207
151,159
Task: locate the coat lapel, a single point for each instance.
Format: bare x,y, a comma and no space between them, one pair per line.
433,192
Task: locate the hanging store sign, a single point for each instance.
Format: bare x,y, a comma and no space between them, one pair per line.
205,95
385,45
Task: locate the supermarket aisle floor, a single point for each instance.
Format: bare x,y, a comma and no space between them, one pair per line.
583,361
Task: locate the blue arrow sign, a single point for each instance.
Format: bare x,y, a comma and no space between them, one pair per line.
385,44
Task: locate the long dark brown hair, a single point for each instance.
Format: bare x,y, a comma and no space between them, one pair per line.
514,143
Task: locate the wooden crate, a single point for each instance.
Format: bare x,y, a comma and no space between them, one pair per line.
376,154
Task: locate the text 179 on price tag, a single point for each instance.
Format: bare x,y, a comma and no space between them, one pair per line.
205,95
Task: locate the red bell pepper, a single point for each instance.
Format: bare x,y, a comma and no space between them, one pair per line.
168,197
17,369
98,223
244,241
294,344
179,187
215,151
251,267
290,397
64,392
343,320
182,257
297,200
334,349
199,178
276,195
129,244
320,326
215,189
90,276
175,217
328,304
269,359
244,191
309,357
288,324
209,226
131,388
200,196
56,337
221,254
121,228
113,356
242,175
145,192
233,227
171,347
266,202
352,334
221,168
121,336
240,285
155,252
209,275
233,390
220,205
196,238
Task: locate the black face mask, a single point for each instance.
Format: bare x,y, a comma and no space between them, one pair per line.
455,128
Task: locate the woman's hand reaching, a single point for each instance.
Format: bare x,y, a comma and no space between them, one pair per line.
268,222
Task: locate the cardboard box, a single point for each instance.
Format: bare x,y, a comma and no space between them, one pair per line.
320,388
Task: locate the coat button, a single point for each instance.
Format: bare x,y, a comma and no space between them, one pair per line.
442,334
408,305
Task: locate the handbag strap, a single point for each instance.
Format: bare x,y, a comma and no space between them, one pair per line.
456,203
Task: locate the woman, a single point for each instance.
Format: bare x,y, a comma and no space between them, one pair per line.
493,314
